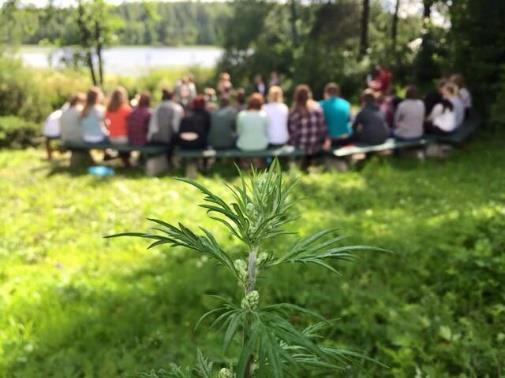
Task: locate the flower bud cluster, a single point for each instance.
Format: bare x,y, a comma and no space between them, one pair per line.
251,301
225,373
241,268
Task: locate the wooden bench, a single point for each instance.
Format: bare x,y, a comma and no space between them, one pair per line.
459,136
390,144
80,151
191,156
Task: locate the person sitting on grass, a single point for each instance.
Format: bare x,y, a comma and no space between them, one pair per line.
93,118
277,117
222,133
195,126
70,119
138,121
165,120
442,120
252,126
337,114
409,117
306,125
370,126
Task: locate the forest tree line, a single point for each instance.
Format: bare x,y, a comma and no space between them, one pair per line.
134,23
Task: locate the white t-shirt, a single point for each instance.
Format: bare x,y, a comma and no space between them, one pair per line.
277,121
459,110
409,119
444,119
466,97
52,125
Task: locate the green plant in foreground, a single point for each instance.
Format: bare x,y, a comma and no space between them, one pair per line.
270,345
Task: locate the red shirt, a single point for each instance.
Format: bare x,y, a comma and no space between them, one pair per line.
116,121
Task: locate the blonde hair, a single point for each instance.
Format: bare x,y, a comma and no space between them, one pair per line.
275,94
452,89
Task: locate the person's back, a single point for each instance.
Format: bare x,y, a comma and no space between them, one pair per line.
165,121
52,125
459,109
443,118
337,112
277,122
252,130
337,115
194,130
409,117
222,126
69,124
92,125
116,122
138,121
277,117
370,126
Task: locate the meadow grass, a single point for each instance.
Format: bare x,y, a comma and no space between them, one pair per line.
73,304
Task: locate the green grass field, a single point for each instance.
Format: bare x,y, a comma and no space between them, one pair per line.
73,304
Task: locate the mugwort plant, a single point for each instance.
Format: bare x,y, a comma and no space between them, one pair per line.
269,344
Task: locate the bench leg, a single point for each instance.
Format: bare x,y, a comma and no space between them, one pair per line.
81,159
338,165
156,165
191,169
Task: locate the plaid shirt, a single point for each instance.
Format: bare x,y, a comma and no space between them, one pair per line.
307,130
138,124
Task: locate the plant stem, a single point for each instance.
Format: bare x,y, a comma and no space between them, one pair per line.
250,286
251,270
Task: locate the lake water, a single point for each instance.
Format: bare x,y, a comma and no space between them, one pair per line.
131,60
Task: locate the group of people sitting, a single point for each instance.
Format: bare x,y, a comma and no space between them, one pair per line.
262,121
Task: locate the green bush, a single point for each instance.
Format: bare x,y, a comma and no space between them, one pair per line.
33,94
17,132
498,107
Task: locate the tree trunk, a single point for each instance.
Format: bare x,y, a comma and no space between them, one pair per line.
91,66
85,37
394,28
99,49
365,16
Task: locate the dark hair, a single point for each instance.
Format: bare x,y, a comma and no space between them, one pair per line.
368,97
411,92
144,100
240,96
255,101
91,100
166,94
198,103
332,89
301,97
76,99
224,101
446,104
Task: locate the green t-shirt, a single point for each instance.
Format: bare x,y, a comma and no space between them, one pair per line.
252,130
